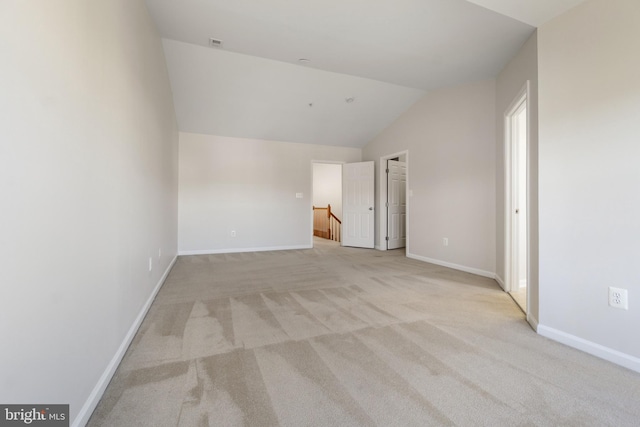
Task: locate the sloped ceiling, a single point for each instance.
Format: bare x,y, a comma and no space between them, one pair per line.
532,12
385,55
224,93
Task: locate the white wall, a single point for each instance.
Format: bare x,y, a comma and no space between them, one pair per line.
522,68
88,178
589,177
327,186
248,186
450,136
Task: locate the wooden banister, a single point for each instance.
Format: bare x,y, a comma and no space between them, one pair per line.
331,215
326,226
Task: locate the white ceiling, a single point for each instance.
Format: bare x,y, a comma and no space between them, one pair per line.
386,54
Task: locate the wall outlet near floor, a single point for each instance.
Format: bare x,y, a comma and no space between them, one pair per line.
618,298
232,233
445,241
150,264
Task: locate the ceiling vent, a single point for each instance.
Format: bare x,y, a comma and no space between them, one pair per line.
215,43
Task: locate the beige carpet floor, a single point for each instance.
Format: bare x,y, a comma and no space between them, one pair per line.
336,336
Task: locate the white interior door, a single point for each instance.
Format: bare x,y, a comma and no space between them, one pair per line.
516,200
520,197
396,204
357,205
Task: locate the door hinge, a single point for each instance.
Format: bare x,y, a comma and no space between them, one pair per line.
387,204
387,170
387,238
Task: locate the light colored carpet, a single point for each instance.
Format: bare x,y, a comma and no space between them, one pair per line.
337,336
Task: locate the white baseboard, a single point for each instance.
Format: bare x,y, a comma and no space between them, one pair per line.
499,280
241,250
454,266
96,394
617,357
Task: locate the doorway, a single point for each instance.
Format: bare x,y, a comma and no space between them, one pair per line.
393,224
517,199
396,203
326,202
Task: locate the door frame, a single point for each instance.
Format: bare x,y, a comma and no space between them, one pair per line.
382,199
510,233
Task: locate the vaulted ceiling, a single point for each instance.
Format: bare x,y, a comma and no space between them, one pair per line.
367,61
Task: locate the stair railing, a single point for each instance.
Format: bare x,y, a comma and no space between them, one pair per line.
326,224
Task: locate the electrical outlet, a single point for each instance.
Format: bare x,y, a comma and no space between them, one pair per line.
618,298
150,264
232,233
445,241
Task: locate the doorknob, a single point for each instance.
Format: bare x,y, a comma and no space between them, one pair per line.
517,211
370,209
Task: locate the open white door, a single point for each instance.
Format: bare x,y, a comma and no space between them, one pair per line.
357,205
517,200
396,204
